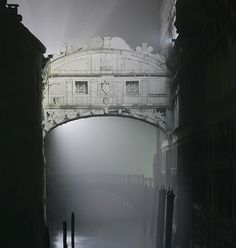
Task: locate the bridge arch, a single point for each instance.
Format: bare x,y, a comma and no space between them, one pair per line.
56,121
106,78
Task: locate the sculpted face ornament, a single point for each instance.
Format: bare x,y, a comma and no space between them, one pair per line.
105,87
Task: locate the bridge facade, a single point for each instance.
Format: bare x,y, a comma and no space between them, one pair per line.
106,77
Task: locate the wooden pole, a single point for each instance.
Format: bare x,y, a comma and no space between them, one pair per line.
154,210
161,218
47,237
169,217
64,234
145,207
72,230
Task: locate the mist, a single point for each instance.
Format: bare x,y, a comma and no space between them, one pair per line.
103,145
114,208
57,22
112,214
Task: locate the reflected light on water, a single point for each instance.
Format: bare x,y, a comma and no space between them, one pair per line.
113,235
80,241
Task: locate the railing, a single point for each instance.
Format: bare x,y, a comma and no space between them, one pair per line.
115,179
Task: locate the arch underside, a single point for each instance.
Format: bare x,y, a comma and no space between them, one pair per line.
56,117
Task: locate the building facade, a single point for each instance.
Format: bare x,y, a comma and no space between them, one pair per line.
21,169
203,96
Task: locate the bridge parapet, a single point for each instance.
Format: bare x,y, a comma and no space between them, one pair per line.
115,180
106,80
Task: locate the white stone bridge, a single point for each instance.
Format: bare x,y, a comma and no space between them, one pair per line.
106,78
135,189
115,179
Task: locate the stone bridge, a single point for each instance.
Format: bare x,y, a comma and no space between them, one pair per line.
135,189
106,77
115,179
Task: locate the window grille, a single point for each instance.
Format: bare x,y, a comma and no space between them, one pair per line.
132,87
81,87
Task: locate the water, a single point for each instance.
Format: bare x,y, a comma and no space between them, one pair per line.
107,235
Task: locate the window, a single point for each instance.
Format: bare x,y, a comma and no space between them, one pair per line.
81,87
132,87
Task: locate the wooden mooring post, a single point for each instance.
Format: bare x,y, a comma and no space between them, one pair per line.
154,211
169,217
47,237
145,207
64,234
72,230
161,218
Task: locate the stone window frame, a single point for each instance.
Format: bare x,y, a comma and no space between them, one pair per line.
135,93
80,91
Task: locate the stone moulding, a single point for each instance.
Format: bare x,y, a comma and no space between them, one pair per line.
106,77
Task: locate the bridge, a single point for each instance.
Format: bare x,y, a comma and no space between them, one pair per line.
115,179
106,77
136,190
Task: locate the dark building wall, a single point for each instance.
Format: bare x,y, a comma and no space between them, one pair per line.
204,97
21,169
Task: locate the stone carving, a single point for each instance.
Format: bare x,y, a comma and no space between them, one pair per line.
106,100
106,77
105,87
144,49
50,117
58,100
106,62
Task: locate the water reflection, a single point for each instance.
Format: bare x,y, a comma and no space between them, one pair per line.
108,215
112,235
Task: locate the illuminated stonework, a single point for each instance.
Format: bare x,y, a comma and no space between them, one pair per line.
106,77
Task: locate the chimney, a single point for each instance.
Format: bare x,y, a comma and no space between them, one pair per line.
13,8
3,3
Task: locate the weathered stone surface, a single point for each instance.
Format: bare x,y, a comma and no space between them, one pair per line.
106,77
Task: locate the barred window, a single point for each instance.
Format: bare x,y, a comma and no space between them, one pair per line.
81,87
132,87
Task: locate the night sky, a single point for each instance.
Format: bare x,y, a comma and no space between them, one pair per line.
56,22
120,145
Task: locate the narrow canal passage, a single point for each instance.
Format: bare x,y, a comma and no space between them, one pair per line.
107,235
109,214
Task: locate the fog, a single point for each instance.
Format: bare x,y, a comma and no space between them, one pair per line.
56,22
108,214
103,145
112,215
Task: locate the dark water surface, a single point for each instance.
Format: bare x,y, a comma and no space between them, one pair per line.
110,235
